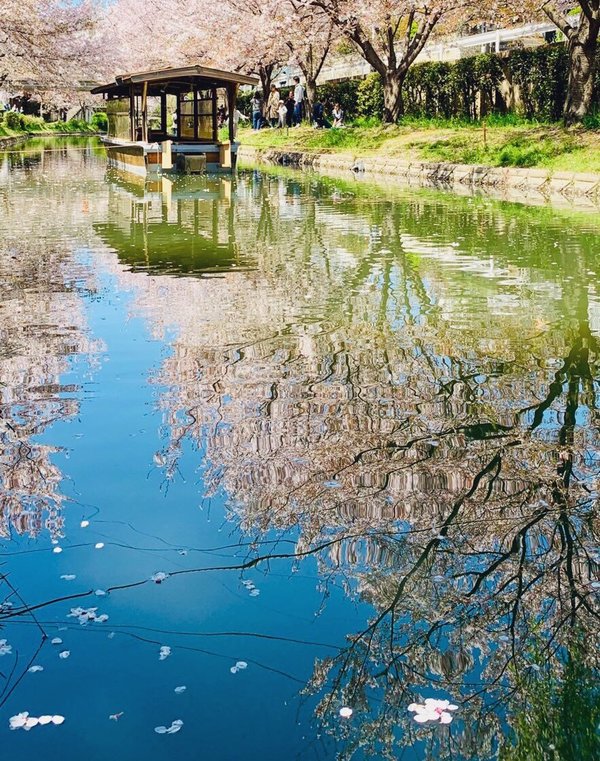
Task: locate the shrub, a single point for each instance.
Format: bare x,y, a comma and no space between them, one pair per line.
344,93
100,121
369,97
13,120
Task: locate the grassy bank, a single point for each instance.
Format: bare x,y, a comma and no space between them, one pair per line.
31,125
498,143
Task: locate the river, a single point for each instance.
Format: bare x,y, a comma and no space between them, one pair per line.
282,457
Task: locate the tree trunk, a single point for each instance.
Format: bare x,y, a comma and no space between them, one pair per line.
582,61
265,73
393,102
311,96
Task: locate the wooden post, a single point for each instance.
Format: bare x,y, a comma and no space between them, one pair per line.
145,112
163,113
215,126
195,112
231,100
131,113
178,112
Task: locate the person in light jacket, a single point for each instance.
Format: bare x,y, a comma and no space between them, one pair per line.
273,106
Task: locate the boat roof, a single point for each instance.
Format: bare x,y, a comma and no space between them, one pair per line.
173,80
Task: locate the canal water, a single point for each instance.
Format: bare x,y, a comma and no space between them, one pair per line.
282,457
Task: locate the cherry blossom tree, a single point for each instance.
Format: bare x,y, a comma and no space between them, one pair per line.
582,44
309,38
48,40
388,34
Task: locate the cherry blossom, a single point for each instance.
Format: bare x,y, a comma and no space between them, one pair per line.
433,710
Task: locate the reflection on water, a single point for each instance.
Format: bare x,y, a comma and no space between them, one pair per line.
388,401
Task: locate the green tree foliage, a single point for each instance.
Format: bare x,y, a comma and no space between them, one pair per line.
470,88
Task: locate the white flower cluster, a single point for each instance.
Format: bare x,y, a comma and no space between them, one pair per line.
87,616
253,591
5,648
433,710
25,721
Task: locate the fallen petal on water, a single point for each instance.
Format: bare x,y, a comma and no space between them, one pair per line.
31,722
346,712
160,730
99,545
84,524
241,665
68,576
64,654
57,550
18,721
56,641
57,719
100,593
35,669
45,720
181,689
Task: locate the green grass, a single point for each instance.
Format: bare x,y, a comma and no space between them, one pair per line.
33,125
501,141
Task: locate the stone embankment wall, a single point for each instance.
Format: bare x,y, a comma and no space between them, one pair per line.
536,186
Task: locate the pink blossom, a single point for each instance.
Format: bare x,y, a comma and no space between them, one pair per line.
433,710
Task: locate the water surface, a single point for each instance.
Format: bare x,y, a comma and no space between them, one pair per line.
353,429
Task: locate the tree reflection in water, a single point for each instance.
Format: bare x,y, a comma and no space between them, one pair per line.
406,386
412,384
42,328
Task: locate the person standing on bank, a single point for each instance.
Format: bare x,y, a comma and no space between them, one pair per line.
282,111
298,101
256,105
273,106
290,108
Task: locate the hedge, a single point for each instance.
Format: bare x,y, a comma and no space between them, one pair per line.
531,83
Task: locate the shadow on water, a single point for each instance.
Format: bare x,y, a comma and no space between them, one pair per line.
395,393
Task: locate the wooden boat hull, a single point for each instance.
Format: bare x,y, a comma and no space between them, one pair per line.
144,159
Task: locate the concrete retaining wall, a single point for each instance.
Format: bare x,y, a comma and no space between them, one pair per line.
536,186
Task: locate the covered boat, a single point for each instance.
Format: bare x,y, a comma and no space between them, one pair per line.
169,120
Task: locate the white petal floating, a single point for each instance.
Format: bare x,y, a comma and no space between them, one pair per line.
234,669
99,545
181,689
45,720
68,576
164,652
58,719
254,592
35,669
346,712
18,721
100,593
64,654
56,641
31,722
5,648
102,618
241,665
84,524
160,730
159,577
57,550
